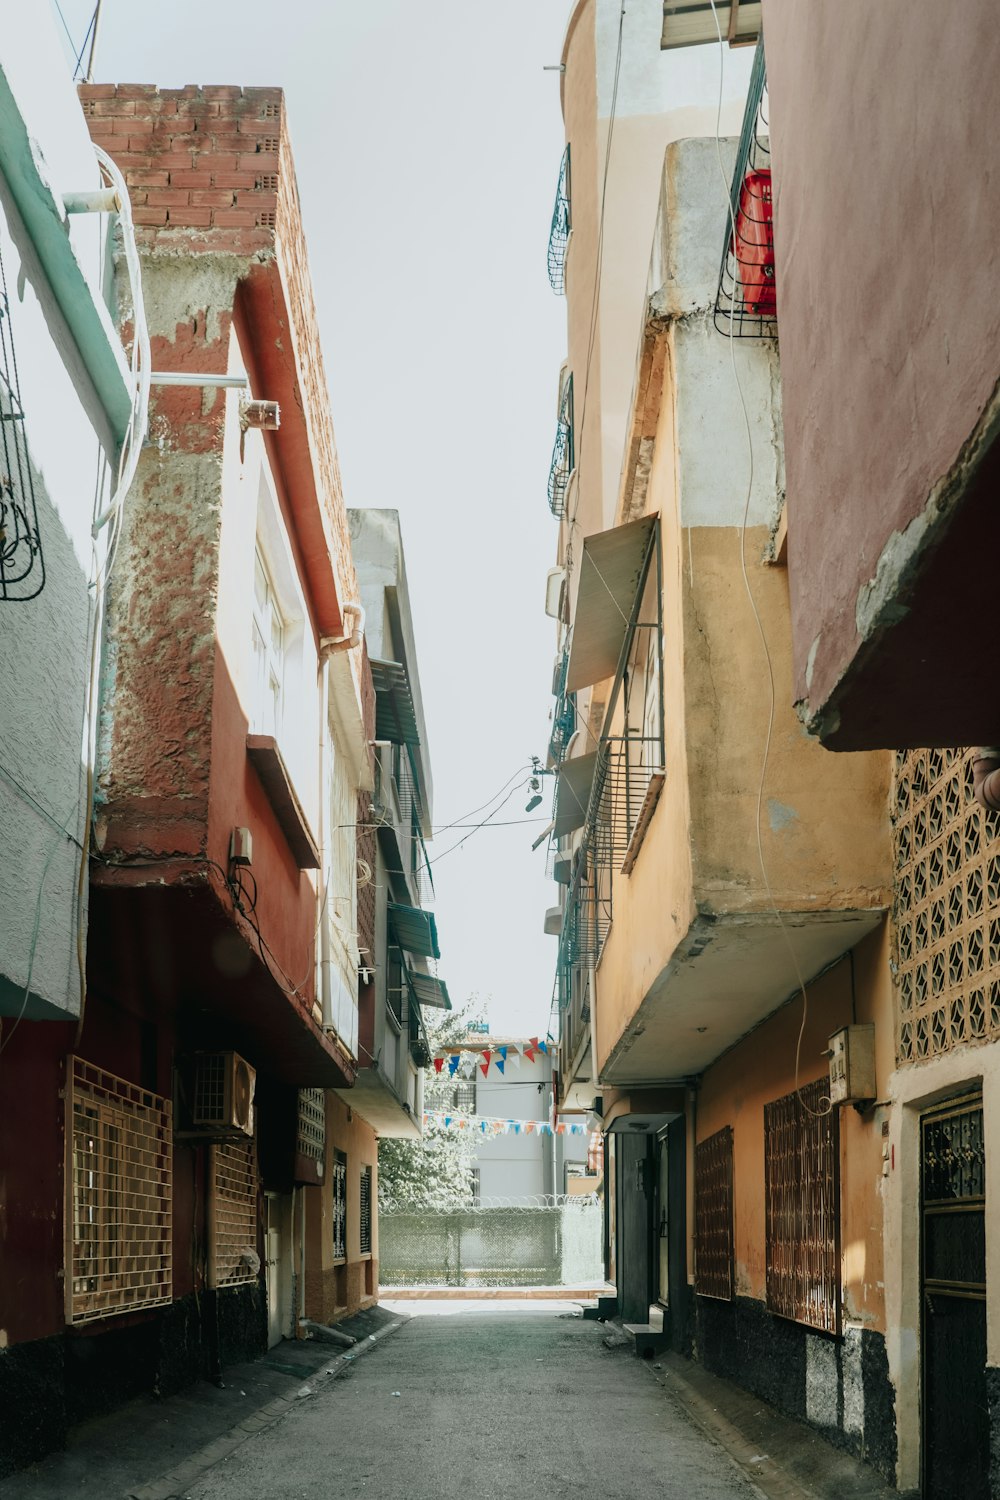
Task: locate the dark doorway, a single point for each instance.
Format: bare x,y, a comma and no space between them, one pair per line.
636,1192
955,1458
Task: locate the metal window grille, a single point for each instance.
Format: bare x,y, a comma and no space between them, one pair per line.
559,232
366,1210
22,566
476,1178
713,1188
563,451
802,1187
946,905
233,1257
339,1206
463,1098
311,1133
745,305
120,1146
367,861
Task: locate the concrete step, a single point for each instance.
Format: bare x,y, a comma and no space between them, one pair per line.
648,1339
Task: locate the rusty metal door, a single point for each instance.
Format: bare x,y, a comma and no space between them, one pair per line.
955,1426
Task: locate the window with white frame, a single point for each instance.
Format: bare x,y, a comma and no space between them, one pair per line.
268,652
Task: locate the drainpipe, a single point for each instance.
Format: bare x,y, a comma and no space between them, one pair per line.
330,646
986,777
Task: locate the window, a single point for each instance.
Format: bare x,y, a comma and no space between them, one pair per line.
475,1176
233,1255
121,1196
713,1231
268,652
463,1097
339,1205
802,1188
366,1210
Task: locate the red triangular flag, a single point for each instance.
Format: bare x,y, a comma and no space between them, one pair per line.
438,1064
487,1054
485,1068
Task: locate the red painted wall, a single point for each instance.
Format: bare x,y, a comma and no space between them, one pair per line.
883,126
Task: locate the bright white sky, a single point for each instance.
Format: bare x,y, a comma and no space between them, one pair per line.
427,141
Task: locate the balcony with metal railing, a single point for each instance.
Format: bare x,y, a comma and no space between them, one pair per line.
560,230
746,303
563,450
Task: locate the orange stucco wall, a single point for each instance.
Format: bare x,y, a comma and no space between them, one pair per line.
335,1289
762,1068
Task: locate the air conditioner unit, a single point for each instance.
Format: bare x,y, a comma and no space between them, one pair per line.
224,1085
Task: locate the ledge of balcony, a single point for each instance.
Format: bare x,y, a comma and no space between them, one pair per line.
265,757
726,975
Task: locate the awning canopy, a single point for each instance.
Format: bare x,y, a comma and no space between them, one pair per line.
612,568
395,718
574,780
691,23
430,991
414,929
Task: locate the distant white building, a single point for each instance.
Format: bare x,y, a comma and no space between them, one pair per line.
521,1164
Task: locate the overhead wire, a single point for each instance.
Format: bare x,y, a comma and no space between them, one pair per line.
771,699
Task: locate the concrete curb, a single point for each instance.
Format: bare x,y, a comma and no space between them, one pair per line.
581,1293
173,1484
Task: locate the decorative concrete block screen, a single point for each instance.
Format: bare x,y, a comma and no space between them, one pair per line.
121,1156
554,1243
946,905
233,1255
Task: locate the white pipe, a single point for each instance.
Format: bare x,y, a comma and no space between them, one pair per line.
103,201
326,996
192,377
330,645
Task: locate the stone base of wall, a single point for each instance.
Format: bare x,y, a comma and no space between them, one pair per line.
47,1386
841,1386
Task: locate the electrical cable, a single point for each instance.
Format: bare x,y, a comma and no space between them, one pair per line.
439,857
753,605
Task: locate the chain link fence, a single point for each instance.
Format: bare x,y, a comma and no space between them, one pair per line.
544,1241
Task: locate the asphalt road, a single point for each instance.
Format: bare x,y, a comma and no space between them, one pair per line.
483,1402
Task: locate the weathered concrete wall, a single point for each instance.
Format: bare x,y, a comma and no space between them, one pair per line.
690,464
886,267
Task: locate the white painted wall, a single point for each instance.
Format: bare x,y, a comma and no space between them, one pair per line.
713,454
43,642
520,1166
661,97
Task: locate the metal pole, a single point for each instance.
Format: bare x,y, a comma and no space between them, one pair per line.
95,25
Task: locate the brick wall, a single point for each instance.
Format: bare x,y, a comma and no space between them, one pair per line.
209,169
194,159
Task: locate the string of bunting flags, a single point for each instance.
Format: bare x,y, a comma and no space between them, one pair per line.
501,1057
494,1125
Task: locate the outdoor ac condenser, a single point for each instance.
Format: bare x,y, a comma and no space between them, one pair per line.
224,1086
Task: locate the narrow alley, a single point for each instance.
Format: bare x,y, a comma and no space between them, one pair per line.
508,1401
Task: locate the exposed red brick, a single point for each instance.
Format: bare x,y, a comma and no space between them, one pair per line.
212,198
235,218
143,214
189,177
169,197
234,180
259,161
140,178
196,218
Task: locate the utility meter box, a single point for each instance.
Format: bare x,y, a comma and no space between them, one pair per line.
852,1064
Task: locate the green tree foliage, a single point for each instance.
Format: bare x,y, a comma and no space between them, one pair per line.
435,1171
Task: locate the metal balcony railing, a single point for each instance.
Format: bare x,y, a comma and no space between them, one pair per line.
746,304
563,711
563,451
559,233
